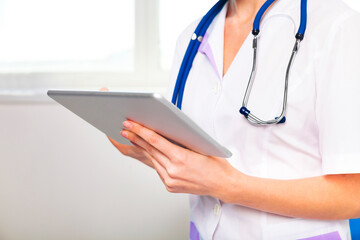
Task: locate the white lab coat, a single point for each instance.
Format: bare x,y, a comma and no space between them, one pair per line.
321,135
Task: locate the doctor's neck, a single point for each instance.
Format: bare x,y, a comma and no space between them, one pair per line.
245,10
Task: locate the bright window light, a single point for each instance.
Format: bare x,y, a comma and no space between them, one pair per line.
66,35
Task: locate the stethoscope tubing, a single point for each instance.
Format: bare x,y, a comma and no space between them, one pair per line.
192,51
260,13
256,30
303,18
194,45
244,111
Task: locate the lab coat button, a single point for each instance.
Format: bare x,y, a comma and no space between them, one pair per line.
217,209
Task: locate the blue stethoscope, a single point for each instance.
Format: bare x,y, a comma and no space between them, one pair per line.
195,44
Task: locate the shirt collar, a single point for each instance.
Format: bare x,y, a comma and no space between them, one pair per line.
285,8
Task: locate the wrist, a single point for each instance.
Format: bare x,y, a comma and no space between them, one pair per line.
233,188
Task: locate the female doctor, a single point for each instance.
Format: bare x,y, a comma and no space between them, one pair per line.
295,180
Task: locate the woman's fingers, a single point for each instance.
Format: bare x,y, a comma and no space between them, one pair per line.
135,151
124,149
155,153
161,172
130,151
155,140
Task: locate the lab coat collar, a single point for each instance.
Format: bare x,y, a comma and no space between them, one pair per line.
283,7
213,42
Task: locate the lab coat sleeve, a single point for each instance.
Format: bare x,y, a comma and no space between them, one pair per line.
338,98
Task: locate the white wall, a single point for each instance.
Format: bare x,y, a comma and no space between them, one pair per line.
61,179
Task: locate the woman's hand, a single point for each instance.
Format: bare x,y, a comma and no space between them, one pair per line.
180,169
184,171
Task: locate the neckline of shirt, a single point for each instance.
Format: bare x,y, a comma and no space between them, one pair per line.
215,33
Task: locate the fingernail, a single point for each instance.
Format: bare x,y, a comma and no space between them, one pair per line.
124,134
127,124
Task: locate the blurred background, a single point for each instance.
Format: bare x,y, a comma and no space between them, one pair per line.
59,177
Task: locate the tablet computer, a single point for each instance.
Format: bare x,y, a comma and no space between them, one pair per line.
108,110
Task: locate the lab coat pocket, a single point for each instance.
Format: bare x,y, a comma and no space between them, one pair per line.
300,229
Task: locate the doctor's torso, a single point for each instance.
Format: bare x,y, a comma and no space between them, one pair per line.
287,151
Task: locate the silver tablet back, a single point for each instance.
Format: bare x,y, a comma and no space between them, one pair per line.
108,110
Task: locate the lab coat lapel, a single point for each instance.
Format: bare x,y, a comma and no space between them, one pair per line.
212,44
